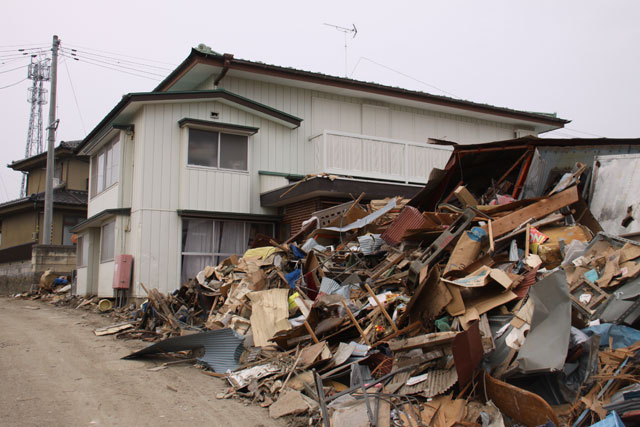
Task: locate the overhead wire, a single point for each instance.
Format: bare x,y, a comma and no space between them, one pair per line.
73,90
23,49
115,64
14,69
23,44
118,60
120,54
109,68
13,84
84,58
402,74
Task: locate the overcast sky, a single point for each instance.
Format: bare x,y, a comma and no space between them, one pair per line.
579,59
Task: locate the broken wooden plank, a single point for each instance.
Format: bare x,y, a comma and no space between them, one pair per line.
536,210
465,197
422,341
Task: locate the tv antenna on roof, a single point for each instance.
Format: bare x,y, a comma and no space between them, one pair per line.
346,31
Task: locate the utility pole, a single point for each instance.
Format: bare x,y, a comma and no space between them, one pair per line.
47,229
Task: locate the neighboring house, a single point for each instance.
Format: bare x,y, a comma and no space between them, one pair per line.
21,219
189,173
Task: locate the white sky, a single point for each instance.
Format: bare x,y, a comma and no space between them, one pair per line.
577,58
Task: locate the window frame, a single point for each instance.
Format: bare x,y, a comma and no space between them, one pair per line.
82,251
220,132
213,255
102,241
105,171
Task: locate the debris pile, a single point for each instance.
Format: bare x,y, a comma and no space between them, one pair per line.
500,313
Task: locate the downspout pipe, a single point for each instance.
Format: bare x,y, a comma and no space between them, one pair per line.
228,57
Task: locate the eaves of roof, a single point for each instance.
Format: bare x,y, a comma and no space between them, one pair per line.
63,150
281,116
534,141
227,61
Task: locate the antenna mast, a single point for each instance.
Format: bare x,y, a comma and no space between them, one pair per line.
39,71
346,31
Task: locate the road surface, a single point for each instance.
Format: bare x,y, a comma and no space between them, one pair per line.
55,372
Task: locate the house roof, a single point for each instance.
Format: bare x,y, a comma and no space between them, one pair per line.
64,149
477,164
534,141
335,188
199,66
220,95
61,197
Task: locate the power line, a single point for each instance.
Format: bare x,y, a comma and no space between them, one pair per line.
74,96
110,68
24,49
24,44
84,58
13,69
13,84
402,74
118,60
585,133
120,54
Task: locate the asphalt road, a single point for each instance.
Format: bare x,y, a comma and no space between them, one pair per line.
55,372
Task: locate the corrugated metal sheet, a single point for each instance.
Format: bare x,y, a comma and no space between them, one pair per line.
549,162
615,193
222,348
409,218
437,382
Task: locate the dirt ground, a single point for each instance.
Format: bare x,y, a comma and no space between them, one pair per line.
55,372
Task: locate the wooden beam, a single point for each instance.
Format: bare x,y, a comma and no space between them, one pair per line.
536,210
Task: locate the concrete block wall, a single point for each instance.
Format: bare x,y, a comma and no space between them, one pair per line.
16,277
60,259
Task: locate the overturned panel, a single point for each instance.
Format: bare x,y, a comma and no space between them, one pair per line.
545,348
222,348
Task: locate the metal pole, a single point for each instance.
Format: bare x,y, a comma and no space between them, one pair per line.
47,230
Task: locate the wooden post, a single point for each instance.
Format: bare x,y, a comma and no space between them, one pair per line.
381,307
355,323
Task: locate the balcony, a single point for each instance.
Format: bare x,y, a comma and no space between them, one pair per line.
341,153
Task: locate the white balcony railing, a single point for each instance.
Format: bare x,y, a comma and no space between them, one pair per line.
372,157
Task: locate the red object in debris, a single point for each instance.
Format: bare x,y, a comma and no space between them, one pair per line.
122,271
408,219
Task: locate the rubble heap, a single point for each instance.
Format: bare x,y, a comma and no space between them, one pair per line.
387,315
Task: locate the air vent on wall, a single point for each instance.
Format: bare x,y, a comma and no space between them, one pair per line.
215,115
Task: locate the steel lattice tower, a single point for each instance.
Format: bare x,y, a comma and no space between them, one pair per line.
39,71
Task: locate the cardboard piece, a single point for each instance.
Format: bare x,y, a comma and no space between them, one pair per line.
290,402
478,278
431,297
270,314
466,251
490,300
314,353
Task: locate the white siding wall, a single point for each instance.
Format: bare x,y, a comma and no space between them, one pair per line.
108,199
324,111
81,280
105,279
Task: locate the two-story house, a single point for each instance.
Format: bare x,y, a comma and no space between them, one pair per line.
188,173
22,218
22,258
